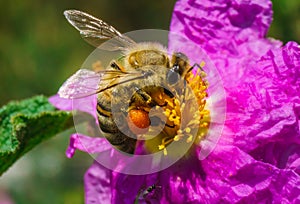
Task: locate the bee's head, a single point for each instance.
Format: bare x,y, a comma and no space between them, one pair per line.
181,60
179,66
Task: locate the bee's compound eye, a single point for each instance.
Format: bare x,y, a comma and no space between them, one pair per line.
172,77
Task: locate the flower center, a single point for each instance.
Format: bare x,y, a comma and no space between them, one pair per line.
186,116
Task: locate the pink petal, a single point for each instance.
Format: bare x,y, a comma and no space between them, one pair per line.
87,104
97,185
222,25
61,103
87,144
263,108
228,175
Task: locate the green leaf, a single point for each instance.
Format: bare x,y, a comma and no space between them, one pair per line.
25,124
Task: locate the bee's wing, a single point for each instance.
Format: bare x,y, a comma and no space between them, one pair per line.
86,82
83,83
94,31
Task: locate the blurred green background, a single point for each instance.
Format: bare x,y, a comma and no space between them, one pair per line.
39,50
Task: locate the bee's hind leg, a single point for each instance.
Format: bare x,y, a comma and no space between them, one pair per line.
143,98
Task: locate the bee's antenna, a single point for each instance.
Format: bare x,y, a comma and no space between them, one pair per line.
195,65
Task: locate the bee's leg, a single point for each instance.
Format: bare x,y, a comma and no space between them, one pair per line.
169,93
141,95
144,96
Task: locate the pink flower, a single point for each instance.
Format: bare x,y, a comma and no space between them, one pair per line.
257,158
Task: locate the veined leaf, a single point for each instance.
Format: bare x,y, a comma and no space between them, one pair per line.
25,124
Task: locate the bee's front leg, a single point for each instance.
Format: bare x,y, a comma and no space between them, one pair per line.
143,99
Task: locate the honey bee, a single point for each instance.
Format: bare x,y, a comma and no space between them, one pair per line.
137,78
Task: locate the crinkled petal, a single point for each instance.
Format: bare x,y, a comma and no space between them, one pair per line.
106,186
230,32
280,154
87,144
128,188
228,175
97,185
263,109
222,25
261,79
86,104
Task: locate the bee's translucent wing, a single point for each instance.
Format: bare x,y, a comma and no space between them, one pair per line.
83,83
86,82
94,31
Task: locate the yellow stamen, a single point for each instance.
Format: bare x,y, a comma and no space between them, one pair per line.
176,138
198,117
160,147
165,152
189,139
188,130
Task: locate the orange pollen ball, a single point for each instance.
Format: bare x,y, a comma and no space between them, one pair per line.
138,121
